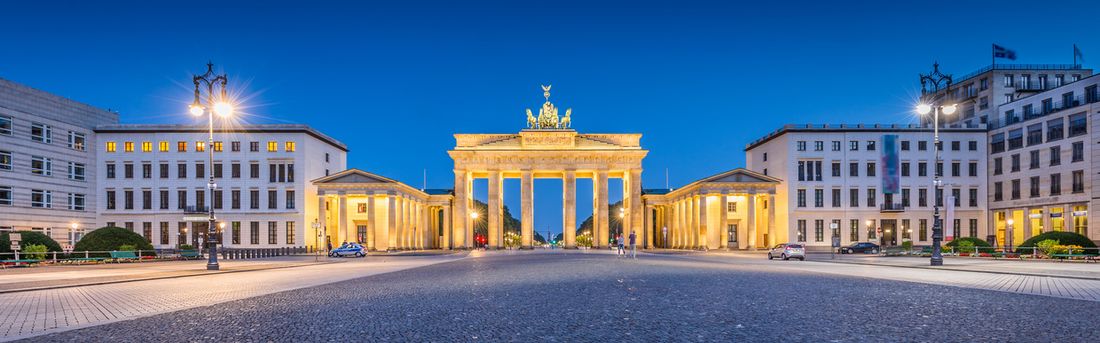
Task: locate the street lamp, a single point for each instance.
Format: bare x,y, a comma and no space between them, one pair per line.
930,105
1008,235
72,233
317,228
215,105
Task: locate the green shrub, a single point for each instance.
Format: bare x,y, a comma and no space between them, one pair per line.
111,239
974,242
964,246
29,237
186,247
1064,238
34,251
127,247
907,245
1046,246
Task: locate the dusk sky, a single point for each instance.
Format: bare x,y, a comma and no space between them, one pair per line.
395,80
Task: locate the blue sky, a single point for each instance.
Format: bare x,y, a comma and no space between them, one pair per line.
698,79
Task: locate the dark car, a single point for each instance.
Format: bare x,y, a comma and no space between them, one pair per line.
860,248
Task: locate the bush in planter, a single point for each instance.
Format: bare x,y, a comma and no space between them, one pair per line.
907,246
964,248
34,251
127,247
1064,238
29,237
1046,246
111,239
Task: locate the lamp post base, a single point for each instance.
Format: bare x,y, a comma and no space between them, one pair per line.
936,261
213,266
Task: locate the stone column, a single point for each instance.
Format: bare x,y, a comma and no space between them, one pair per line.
1026,225
460,217
527,204
322,221
342,224
705,230
625,220
370,223
636,209
678,216
569,208
601,208
447,242
723,221
399,238
771,219
495,223
391,222
750,219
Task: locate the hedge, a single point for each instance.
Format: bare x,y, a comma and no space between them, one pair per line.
1063,238
29,237
111,239
977,242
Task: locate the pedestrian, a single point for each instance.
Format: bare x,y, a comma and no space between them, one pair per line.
619,240
633,249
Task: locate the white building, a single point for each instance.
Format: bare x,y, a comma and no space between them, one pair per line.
152,176
981,92
833,182
1041,162
47,165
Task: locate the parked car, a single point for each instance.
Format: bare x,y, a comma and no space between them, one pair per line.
861,248
348,249
788,251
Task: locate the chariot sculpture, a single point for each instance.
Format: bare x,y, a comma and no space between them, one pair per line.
548,115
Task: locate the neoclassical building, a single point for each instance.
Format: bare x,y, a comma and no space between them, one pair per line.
729,210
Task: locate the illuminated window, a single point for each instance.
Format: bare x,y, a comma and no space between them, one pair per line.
128,146
272,146
217,146
146,146
289,147
163,146
110,146
181,146
200,146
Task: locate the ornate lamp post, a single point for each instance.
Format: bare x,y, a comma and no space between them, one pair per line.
930,104
215,104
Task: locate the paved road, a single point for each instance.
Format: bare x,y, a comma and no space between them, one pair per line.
598,297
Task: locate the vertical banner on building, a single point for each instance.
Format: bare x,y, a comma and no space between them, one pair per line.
948,218
891,178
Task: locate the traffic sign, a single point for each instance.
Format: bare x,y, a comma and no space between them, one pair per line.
15,246
67,248
15,237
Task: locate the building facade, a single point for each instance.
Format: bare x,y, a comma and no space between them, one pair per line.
1040,162
48,162
153,180
836,182
980,93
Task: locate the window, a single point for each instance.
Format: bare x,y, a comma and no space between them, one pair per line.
163,147
181,170
235,199
272,233
836,197
956,169
217,199
76,171
922,169
181,197
200,170
76,202
163,199
163,169
1033,162
1035,134
5,195
871,198
41,133
904,197
871,169
254,146
76,141
922,229
853,230
1055,184
1077,125
819,198
765,157
181,146
289,199
110,147
200,146
163,233
1015,139
1015,189
972,145
235,146
200,199
836,169
973,201
998,192
972,169
1078,181
904,145
853,197
273,146
730,207
801,198
5,126
801,230
939,197
973,228
254,199
41,166
272,175
146,199
853,169
128,170
1078,154
997,143
906,230
235,170
853,146
819,230
871,234
290,172
147,231
128,199
290,146
110,200
836,147
998,168
870,145
128,146
254,233
146,171
218,146
1055,155
922,145
5,160
41,198
235,232
217,170
272,199
957,195
905,169
922,197
146,146
254,170
289,232
1033,187
1015,164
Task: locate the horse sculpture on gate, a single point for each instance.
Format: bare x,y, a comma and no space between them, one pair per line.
548,115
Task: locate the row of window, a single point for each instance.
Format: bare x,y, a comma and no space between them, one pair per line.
871,232
200,146
43,166
43,133
277,172
184,235
42,198
1034,186
1078,125
1055,158
812,170
888,199
870,146
235,199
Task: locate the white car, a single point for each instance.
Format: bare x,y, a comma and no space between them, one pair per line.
788,251
348,249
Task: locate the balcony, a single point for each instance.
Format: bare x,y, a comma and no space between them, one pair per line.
892,208
195,209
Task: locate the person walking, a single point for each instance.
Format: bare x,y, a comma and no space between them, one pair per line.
633,248
619,240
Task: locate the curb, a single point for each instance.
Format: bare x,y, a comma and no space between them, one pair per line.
963,270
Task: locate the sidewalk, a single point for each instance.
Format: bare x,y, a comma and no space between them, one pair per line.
1084,271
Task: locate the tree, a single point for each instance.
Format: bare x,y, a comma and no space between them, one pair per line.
111,239
28,238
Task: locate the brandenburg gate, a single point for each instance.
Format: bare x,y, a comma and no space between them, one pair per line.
548,148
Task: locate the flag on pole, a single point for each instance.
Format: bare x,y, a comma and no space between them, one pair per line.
1002,52
1077,56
